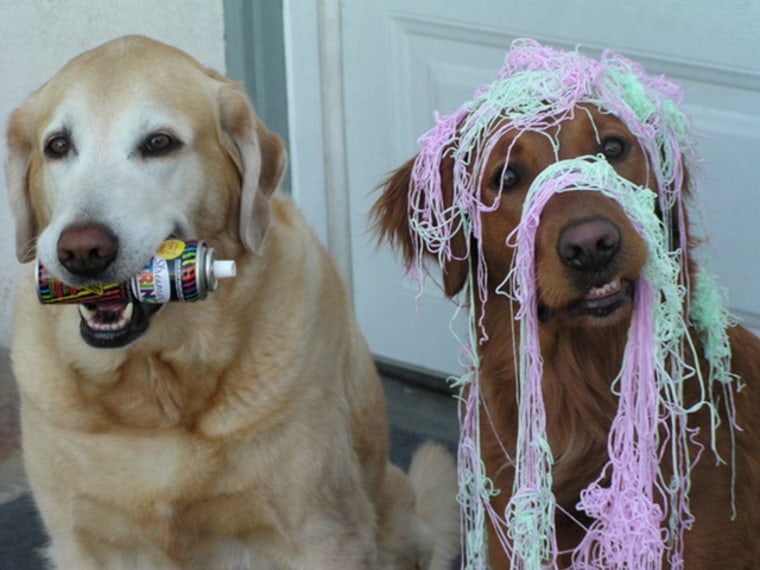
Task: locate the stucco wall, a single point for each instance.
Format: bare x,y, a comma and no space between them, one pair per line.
38,36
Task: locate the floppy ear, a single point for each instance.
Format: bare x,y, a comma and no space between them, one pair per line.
390,219
260,157
20,148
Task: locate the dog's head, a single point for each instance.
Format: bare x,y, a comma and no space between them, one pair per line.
462,197
128,144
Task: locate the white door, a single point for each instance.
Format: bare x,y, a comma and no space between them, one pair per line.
403,59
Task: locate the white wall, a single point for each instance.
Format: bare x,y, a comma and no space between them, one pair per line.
39,36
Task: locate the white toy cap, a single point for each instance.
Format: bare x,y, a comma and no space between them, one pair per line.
224,268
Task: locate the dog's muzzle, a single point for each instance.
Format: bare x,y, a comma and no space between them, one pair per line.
595,264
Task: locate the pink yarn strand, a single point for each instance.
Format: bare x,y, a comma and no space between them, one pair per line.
626,532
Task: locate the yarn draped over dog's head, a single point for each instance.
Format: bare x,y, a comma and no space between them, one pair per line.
536,90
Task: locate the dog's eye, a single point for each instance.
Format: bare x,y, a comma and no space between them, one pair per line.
614,148
159,144
505,179
58,146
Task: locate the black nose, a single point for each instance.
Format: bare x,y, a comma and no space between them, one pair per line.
87,250
589,245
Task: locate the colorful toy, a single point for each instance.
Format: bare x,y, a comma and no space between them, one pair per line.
181,270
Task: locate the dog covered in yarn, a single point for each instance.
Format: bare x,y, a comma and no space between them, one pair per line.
608,416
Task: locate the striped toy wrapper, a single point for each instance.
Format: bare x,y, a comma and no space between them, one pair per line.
179,271
51,290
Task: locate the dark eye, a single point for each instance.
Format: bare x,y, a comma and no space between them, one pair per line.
58,146
505,179
614,148
159,144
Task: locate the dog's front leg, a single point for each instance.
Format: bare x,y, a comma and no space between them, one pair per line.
344,549
67,554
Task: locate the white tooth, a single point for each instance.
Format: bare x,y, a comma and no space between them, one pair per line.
112,326
90,316
87,314
605,289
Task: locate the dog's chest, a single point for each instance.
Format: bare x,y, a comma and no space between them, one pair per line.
167,490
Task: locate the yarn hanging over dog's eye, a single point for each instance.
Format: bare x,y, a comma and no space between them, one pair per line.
505,179
537,89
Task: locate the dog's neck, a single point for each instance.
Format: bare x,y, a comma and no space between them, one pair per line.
579,366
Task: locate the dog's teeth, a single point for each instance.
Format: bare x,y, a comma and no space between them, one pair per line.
126,315
604,289
106,323
117,326
87,314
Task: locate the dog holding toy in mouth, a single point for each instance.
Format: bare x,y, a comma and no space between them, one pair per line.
247,430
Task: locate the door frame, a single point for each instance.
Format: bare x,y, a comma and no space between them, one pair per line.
287,55
289,51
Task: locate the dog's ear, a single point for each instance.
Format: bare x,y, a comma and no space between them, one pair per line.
390,219
260,157
390,213
20,137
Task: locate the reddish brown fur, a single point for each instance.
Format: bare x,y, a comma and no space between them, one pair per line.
582,353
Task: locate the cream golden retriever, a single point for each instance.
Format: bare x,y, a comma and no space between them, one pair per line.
245,431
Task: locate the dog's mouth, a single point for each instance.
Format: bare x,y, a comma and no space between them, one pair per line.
604,300
599,302
115,324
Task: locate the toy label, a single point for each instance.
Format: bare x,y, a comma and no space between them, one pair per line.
171,249
152,285
188,278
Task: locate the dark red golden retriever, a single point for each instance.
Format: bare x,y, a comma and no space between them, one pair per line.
459,202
